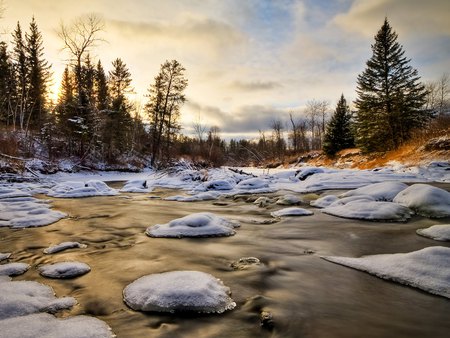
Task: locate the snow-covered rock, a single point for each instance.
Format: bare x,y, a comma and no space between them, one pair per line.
63,246
4,255
438,232
288,200
219,184
82,189
292,211
305,172
202,224
382,191
324,201
178,291
245,263
253,184
427,269
13,269
425,200
19,298
46,325
369,210
64,269
136,186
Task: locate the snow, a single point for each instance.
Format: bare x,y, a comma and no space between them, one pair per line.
324,201
203,196
425,200
74,189
46,325
19,298
292,211
64,269
305,172
383,191
369,210
427,269
13,269
288,200
219,184
202,224
178,291
63,246
11,193
252,185
136,186
4,255
438,232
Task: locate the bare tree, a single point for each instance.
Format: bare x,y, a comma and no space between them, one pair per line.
438,95
317,112
277,138
297,136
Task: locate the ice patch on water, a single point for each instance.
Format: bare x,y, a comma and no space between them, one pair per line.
64,269
13,269
63,246
292,211
438,232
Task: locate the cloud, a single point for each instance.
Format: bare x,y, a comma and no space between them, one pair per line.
254,85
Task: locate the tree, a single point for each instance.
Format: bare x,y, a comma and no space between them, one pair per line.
7,87
279,144
317,113
21,74
390,97
338,134
165,100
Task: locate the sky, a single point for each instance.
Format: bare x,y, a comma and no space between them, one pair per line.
248,62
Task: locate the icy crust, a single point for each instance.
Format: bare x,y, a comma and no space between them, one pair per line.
64,269
178,291
19,298
427,269
81,189
383,191
63,246
45,325
324,201
425,200
203,224
13,269
439,232
27,212
292,211
136,186
367,209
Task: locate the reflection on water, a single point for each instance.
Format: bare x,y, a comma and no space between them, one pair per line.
305,295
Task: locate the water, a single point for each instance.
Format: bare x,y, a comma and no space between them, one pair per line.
306,296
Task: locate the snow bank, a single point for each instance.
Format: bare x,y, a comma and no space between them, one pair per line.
202,224
12,193
383,191
324,201
81,189
136,186
427,269
425,200
369,210
220,184
252,186
13,269
439,232
178,291
63,246
64,269
292,211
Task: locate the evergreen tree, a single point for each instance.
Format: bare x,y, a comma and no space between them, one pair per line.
21,75
101,93
338,134
390,97
7,86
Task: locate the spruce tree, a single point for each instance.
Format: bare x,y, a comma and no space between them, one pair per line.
7,86
390,97
338,134
21,76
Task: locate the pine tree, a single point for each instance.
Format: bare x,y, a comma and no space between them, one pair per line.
7,86
338,134
390,97
21,74
101,93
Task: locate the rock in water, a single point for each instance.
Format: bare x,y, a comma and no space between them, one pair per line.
178,291
64,269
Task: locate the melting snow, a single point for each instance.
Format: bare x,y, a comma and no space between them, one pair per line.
202,224
64,269
438,232
325,201
427,269
179,291
292,211
63,246
13,269
136,186
81,189
383,191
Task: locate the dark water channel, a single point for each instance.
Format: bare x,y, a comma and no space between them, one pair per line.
307,296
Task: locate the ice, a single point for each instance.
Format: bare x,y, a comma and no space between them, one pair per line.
427,269
425,200
63,246
303,173
64,269
288,200
74,189
324,201
136,186
369,210
383,191
46,325
203,196
292,211
13,269
252,185
19,298
4,255
178,291
11,193
438,232
202,224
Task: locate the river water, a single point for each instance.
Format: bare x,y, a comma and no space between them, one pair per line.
305,295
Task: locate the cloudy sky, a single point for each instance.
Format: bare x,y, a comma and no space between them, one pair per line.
247,61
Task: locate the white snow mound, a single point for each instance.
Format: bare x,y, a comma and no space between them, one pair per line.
64,269
425,200
82,189
203,224
136,186
438,232
252,184
13,269
383,191
292,211
427,269
64,246
324,201
4,255
288,200
178,291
